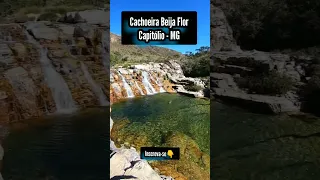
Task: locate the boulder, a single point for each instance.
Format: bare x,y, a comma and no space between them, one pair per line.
41,30
19,49
127,164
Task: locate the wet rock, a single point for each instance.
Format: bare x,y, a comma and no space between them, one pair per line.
24,88
193,163
255,102
6,55
40,30
19,49
67,30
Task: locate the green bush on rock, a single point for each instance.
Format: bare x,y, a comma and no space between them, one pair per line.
272,83
197,64
48,16
271,24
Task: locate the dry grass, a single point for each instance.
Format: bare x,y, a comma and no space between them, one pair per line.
132,54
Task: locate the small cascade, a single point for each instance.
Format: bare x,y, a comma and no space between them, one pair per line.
59,88
161,86
162,90
95,87
158,84
138,87
127,87
116,87
150,90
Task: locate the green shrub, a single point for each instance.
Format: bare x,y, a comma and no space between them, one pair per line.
272,83
194,88
59,10
32,10
48,17
273,24
197,64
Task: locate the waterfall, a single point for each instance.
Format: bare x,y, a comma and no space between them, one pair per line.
158,84
127,87
138,87
95,87
104,53
147,84
116,87
59,88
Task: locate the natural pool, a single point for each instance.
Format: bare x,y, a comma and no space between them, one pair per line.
59,148
76,146
156,116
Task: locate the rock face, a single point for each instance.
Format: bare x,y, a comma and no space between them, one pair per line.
230,63
50,66
222,34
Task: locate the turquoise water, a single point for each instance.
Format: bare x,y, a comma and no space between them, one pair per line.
160,114
63,148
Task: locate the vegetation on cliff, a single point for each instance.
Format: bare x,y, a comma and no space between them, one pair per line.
47,10
197,64
271,83
270,24
132,54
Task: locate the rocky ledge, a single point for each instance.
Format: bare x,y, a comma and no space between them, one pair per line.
152,78
230,65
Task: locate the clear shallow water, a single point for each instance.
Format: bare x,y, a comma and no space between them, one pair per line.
65,147
248,146
159,114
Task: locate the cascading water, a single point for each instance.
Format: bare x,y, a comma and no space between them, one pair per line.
147,84
104,54
59,88
127,87
138,87
116,87
158,84
95,87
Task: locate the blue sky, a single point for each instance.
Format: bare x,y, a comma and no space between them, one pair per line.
201,6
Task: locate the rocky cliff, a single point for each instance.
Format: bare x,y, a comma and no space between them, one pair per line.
151,78
50,67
